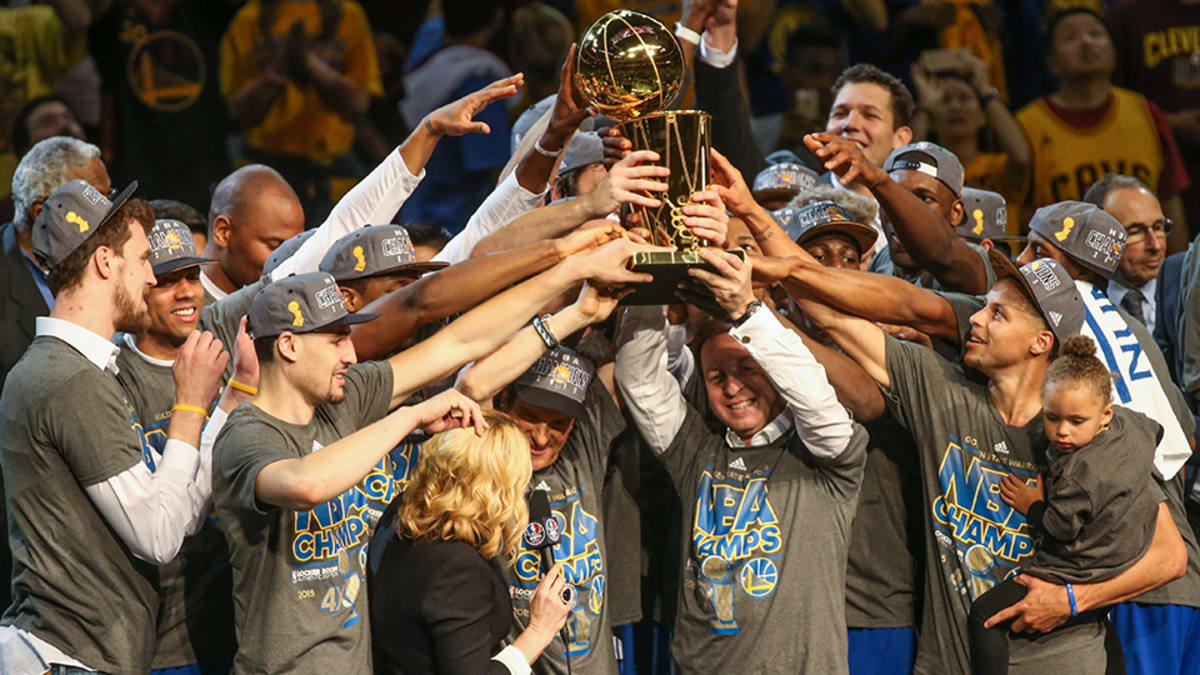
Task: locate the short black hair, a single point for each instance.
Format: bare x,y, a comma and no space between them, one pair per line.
176,210
19,137
426,234
902,100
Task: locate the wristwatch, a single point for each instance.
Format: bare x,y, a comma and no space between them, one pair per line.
750,310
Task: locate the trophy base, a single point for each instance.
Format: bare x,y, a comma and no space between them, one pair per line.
669,269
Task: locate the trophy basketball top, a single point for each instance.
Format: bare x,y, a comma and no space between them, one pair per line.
628,64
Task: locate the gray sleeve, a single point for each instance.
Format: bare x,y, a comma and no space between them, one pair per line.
691,445
916,373
223,316
1068,508
964,307
368,393
241,451
843,474
987,265
602,425
92,427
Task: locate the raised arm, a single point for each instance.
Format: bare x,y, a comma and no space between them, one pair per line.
651,393
461,286
926,236
491,324
489,375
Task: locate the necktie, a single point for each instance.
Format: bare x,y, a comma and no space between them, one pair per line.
1133,303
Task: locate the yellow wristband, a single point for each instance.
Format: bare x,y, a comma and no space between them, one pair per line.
181,407
244,388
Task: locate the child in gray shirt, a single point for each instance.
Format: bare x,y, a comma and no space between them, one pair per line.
1097,517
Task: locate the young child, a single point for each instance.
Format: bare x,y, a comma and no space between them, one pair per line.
1097,516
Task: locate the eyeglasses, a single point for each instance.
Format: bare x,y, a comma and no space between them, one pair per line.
1137,231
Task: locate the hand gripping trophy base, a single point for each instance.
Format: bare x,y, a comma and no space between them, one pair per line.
681,138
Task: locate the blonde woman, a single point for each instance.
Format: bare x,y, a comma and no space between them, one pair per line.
439,602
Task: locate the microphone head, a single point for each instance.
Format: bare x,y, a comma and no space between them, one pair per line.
541,522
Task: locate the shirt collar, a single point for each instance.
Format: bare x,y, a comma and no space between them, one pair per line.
1117,290
102,353
211,288
132,344
768,435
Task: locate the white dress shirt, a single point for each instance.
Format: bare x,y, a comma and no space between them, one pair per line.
658,408
1117,293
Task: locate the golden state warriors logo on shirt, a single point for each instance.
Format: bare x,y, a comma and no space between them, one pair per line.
578,549
990,537
736,543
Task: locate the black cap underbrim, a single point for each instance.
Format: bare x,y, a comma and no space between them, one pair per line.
351,319
415,269
863,235
119,201
1007,269
775,193
181,263
551,400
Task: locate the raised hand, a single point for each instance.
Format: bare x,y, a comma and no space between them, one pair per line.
245,359
706,217
843,157
198,370
456,118
729,184
768,270
570,108
1017,494
449,410
598,302
626,183
608,264
729,283
616,146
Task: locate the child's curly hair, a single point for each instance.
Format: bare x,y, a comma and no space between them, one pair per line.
1077,363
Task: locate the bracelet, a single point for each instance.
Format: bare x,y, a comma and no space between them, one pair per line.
537,145
183,407
429,127
244,388
1071,599
544,332
686,34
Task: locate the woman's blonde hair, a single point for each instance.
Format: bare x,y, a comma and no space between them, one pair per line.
470,488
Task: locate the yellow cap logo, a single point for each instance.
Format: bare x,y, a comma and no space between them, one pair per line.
362,261
561,374
75,218
977,214
297,317
173,242
1062,234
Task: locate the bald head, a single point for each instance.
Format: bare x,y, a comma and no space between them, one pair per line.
252,211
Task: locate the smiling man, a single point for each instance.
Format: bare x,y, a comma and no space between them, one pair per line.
1131,202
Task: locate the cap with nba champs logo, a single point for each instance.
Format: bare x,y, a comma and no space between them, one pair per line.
374,250
172,247
558,380
301,303
828,217
1050,288
930,159
69,216
986,216
1084,233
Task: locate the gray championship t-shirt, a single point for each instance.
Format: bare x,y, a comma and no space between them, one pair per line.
66,425
1101,504
298,575
764,552
973,539
575,482
224,316
887,548
195,590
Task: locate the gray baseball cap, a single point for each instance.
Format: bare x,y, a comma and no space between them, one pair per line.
785,179
69,216
172,248
1084,233
828,217
1050,288
286,250
584,149
986,216
930,159
374,250
301,303
558,380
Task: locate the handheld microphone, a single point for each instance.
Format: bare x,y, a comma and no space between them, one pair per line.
542,535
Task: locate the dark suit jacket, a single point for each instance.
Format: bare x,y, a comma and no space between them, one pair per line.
1166,303
20,303
436,606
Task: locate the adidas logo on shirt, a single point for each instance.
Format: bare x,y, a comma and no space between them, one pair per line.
1001,447
542,486
738,463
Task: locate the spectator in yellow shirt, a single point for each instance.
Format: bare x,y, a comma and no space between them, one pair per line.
296,75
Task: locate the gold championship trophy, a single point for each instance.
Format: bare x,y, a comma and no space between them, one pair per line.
629,67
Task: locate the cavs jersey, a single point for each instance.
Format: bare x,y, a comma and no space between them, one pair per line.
1067,159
